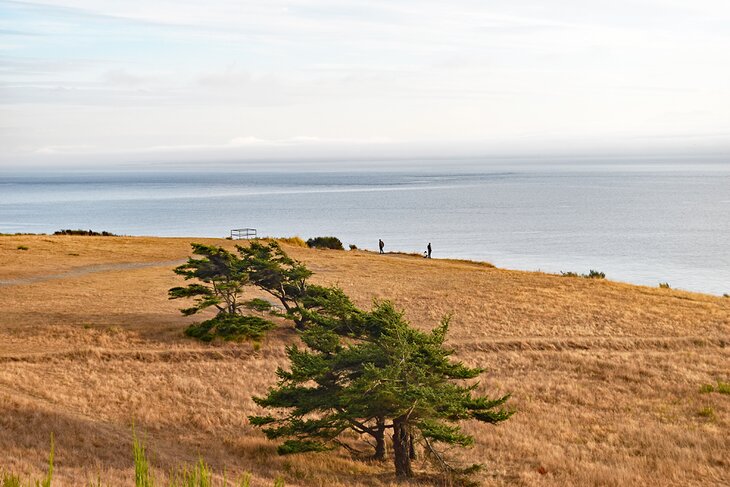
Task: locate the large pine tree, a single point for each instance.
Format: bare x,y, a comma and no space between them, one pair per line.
372,373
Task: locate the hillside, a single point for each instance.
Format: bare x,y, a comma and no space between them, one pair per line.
605,376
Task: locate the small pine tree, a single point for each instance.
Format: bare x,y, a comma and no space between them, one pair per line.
371,373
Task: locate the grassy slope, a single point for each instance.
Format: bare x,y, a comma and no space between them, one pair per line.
605,376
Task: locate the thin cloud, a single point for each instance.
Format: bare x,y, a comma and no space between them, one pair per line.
185,75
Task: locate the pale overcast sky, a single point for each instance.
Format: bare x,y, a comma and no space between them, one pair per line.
164,80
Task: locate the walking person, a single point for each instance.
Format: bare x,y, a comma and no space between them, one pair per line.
381,245
429,249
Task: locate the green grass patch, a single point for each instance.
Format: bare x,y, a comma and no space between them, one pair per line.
706,412
720,387
23,247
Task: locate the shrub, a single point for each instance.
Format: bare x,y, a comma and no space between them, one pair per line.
325,243
22,247
664,285
707,388
87,233
230,327
353,247
595,275
591,274
726,295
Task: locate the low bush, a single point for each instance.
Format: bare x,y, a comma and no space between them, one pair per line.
325,243
664,285
22,247
230,327
591,274
87,233
353,247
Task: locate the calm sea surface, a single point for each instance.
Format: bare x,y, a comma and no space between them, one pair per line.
640,224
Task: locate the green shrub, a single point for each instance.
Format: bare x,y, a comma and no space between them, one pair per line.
22,247
230,327
707,388
591,274
87,233
726,295
325,243
595,275
353,247
664,285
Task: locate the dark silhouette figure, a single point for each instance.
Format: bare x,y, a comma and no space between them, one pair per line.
429,249
381,245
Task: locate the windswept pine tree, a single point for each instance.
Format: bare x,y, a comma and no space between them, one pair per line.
372,373
220,278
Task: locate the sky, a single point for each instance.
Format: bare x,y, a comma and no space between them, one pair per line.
99,81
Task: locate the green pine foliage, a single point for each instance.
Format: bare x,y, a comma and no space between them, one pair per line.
372,373
270,269
230,327
220,280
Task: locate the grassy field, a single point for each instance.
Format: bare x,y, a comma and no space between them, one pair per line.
609,380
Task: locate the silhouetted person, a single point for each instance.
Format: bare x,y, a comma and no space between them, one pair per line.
429,249
381,245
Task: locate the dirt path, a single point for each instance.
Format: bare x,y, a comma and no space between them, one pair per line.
88,269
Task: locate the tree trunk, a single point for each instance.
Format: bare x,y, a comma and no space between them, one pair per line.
411,447
379,440
401,449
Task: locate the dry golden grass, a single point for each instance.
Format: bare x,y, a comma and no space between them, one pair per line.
605,376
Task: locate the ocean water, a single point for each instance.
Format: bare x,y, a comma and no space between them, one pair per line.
642,224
